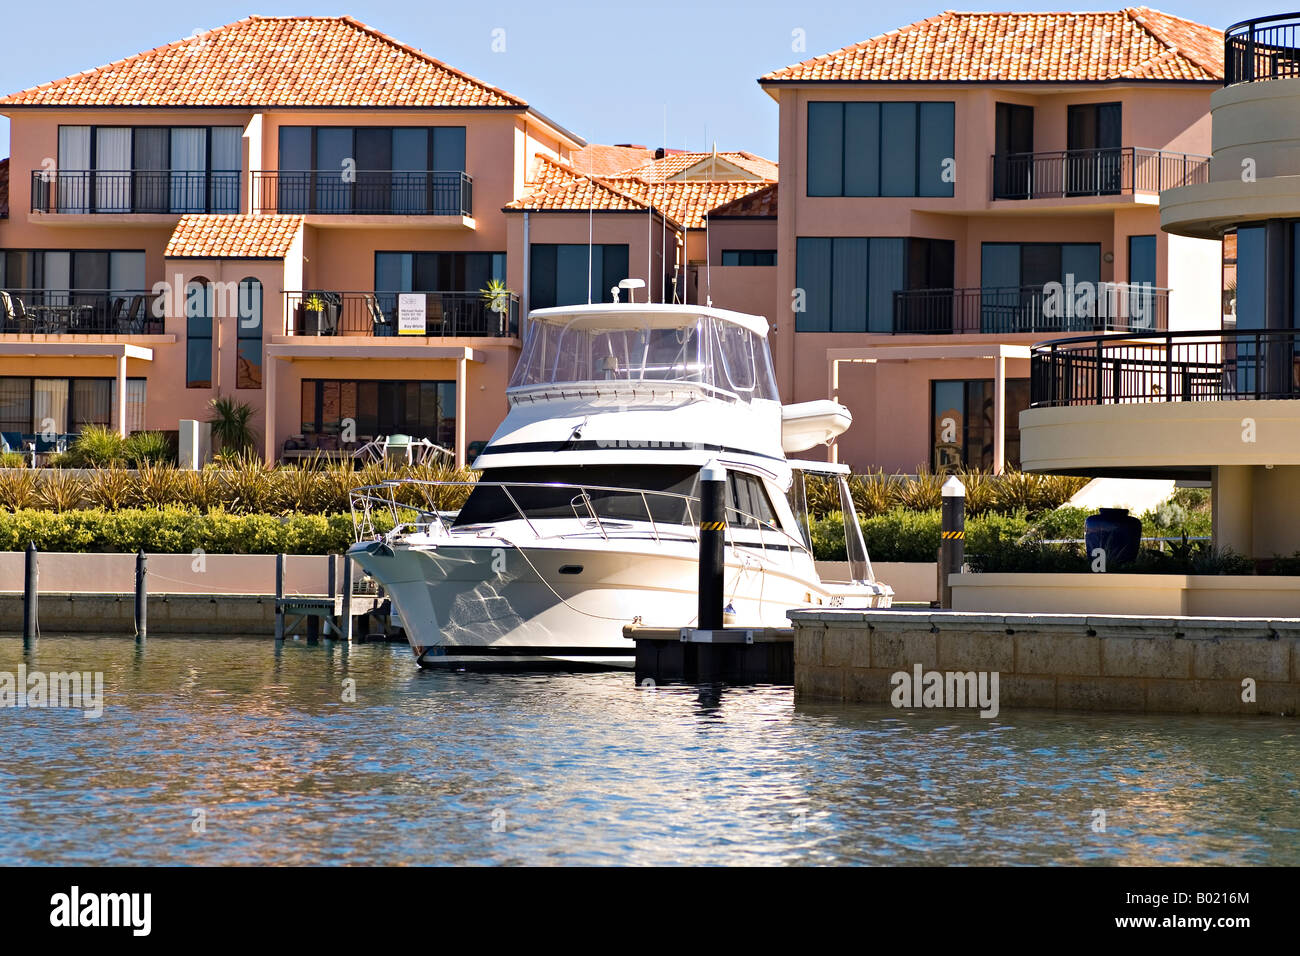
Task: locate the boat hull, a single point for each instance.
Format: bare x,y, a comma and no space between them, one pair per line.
570,602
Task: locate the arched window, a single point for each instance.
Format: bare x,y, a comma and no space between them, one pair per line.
198,333
248,364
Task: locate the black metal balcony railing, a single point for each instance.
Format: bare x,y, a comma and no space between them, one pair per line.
1111,307
78,312
1094,172
1173,367
1266,48
364,193
377,313
135,191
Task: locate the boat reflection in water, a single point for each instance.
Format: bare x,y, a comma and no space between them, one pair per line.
585,518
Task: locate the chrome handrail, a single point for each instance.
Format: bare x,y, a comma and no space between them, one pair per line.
364,500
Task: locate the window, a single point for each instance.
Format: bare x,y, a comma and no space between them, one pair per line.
437,271
1012,277
415,408
198,334
849,282
1142,260
66,405
372,169
1094,164
749,257
149,169
748,504
559,273
248,361
961,418
880,149
64,269
487,503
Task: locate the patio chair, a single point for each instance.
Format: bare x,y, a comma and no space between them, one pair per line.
116,313
133,322
8,320
380,323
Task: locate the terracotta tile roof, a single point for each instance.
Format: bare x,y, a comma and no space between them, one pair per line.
601,160
4,188
688,202
1132,44
760,205
233,237
658,170
273,61
560,188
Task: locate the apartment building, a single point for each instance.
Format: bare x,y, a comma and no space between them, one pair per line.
1221,406
306,215
957,189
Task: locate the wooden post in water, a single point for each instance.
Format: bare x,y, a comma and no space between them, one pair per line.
313,621
347,598
30,598
279,597
141,597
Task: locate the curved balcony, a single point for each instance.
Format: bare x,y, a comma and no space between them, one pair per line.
1193,366
1265,48
1176,404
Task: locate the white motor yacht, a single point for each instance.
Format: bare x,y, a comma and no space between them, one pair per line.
584,517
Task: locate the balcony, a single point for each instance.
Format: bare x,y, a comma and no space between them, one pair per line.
78,312
1227,365
1267,48
1071,173
134,191
366,193
1029,309
429,314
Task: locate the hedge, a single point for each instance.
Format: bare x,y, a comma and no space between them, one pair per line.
994,542
174,531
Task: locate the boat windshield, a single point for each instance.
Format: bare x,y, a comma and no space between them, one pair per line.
708,351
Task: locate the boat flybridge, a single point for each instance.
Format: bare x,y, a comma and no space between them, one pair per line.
585,515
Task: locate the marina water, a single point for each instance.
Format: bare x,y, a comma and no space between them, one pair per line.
218,751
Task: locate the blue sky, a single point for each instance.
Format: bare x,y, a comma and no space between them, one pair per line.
605,70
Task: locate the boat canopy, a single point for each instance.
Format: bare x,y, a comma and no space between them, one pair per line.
725,352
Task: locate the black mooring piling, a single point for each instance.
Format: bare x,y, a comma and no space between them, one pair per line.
279,597
141,597
952,544
713,531
30,597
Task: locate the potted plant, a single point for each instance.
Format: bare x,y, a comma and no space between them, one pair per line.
497,298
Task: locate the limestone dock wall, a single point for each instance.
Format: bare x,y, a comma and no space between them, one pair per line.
1058,661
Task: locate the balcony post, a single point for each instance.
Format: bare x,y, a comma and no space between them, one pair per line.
121,393
269,400
461,404
999,411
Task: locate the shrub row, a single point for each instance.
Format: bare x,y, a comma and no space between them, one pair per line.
876,493
994,542
241,486
174,531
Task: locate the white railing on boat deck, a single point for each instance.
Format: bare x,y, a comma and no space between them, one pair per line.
383,498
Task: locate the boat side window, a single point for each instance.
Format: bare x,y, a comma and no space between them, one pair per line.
749,503
490,501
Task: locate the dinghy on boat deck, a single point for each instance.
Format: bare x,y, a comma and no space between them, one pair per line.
805,425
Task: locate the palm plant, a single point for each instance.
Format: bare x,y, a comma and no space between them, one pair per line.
496,295
232,426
